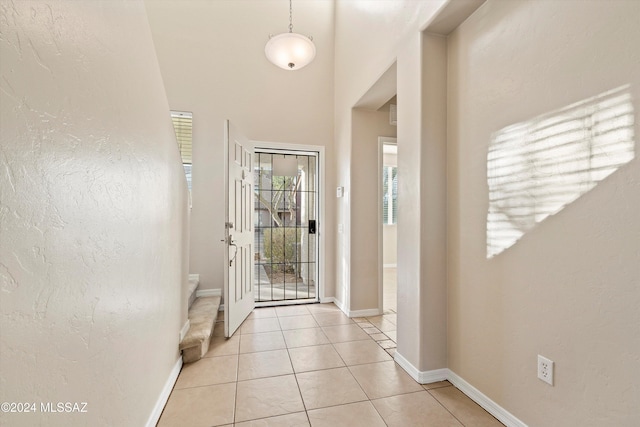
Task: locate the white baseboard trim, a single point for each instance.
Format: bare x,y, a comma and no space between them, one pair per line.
340,305
504,416
209,293
422,377
364,313
389,265
184,330
426,377
327,300
407,366
164,394
195,277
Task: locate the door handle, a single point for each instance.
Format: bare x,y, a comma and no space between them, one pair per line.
235,252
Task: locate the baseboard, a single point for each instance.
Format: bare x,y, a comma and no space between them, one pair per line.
504,416
164,394
209,293
340,305
389,265
426,377
422,377
184,330
356,313
407,366
364,313
327,300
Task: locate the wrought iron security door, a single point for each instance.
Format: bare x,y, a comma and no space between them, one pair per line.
286,227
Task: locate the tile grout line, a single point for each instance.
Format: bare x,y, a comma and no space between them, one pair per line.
235,398
287,348
359,385
442,404
333,347
304,405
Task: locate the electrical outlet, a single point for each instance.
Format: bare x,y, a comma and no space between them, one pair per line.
545,369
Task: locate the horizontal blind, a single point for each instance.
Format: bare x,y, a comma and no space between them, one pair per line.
389,195
394,195
385,195
182,124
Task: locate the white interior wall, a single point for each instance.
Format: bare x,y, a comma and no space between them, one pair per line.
390,245
569,289
370,36
211,55
433,213
92,209
421,202
367,126
409,196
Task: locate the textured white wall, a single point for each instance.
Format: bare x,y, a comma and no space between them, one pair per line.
569,289
92,207
211,55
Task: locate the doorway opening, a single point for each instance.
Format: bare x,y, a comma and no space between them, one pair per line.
286,211
388,168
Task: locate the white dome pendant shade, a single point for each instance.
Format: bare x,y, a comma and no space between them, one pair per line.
290,51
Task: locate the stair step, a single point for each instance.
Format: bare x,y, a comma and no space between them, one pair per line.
194,281
202,319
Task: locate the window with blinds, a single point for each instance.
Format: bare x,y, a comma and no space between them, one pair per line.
389,195
183,126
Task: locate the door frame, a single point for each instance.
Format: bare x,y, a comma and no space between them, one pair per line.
382,141
322,230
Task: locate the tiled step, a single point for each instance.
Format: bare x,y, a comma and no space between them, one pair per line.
202,318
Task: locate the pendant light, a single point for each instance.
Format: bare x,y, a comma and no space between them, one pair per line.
290,51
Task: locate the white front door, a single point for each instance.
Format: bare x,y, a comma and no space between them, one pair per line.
238,286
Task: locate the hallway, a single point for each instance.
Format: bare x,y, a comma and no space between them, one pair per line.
311,365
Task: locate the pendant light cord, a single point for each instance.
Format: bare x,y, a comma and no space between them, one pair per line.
290,17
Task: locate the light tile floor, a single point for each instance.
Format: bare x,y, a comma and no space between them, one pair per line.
310,365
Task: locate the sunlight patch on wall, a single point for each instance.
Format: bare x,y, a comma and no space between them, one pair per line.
536,168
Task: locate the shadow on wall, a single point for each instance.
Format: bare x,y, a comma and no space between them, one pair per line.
536,168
